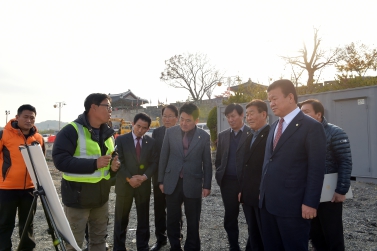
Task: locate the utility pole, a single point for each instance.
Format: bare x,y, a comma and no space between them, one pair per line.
7,112
59,105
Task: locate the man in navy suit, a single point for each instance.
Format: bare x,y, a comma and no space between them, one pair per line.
293,172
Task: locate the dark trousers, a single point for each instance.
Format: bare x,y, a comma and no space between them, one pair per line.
122,212
284,233
159,211
252,215
11,202
174,214
229,192
327,228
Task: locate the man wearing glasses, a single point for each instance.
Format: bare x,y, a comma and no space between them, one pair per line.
82,151
169,119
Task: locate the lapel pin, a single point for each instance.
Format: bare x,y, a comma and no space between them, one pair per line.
247,133
296,124
199,137
262,136
146,142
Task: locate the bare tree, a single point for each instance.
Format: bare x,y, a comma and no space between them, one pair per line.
296,74
210,91
192,72
314,61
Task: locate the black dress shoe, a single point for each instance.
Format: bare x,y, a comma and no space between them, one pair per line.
157,246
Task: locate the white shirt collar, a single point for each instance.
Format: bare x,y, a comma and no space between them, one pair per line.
134,136
287,119
290,116
240,130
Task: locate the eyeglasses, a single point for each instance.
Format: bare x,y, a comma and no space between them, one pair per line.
109,107
168,117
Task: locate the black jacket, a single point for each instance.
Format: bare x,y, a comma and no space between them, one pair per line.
222,153
79,194
158,135
130,165
338,155
252,168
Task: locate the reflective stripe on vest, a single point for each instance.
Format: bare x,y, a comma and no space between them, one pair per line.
88,149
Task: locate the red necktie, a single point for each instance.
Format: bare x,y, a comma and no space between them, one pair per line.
185,142
278,133
138,148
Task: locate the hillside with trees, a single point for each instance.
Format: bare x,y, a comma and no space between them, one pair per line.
49,125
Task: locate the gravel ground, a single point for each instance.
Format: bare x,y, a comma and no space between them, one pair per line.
359,217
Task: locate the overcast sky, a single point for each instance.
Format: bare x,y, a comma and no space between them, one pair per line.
52,51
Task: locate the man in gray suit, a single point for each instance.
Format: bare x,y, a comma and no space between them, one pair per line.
229,161
185,174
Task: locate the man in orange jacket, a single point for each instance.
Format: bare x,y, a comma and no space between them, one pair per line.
16,187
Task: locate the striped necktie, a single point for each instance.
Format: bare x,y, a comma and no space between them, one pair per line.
278,133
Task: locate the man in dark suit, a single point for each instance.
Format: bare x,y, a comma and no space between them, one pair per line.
169,119
293,172
256,117
229,161
185,174
138,162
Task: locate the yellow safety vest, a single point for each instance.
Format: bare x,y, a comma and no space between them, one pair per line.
88,149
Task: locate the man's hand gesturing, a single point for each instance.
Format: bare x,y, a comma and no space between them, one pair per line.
103,161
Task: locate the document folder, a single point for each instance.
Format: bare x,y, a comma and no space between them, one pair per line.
329,186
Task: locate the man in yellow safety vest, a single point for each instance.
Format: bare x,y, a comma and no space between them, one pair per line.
82,151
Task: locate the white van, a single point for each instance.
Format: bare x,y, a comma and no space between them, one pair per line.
203,126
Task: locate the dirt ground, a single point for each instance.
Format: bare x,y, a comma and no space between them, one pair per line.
359,217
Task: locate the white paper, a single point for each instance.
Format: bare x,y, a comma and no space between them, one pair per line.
329,186
52,198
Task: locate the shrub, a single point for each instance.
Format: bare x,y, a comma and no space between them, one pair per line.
212,125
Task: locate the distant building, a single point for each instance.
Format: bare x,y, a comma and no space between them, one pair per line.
247,86
126,101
